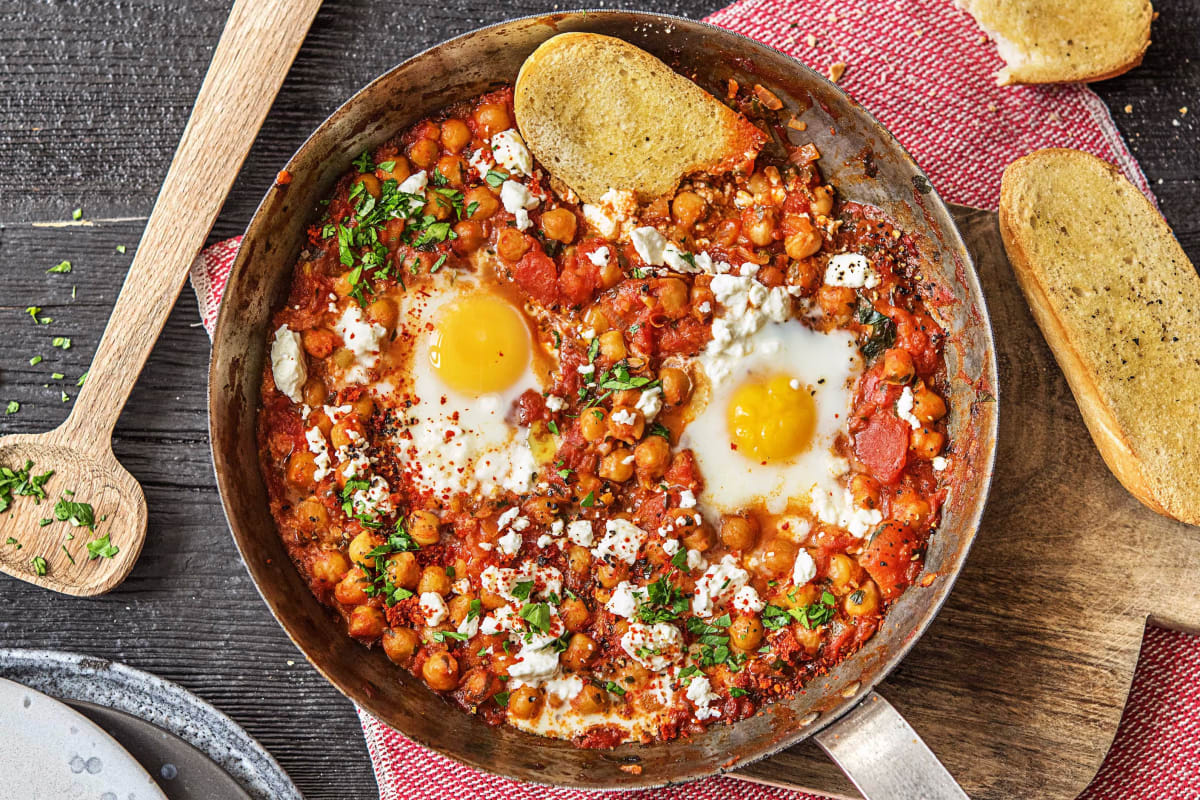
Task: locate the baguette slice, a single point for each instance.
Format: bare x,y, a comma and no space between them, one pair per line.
1118,302
1064,41
600,113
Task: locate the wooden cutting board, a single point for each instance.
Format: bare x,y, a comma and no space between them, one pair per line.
1020,683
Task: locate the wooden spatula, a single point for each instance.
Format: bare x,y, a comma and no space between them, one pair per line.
256,49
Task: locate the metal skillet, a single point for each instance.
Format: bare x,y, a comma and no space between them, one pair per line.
860,730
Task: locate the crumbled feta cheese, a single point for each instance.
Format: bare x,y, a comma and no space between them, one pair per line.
511,153
671,546
506,517
904,408
700,692
718,583
695,560
683,261
544,541
517,199
747,600
655,646
852,270
374,500
362,338
480,162
622,540
649,244
287,363
414,184
586,369
836,507
502,580
650,403
625,599
554,403
580,533
433,607
599,256
748,307
469,626
605,225
564,688
624,417
938,463
320,451
536,661
687,499
510,543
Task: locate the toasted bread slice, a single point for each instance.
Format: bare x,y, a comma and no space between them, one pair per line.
1064,41
1118,302
602,114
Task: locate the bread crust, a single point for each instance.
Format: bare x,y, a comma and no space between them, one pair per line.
1112,438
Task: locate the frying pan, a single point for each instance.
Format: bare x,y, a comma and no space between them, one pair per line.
860,730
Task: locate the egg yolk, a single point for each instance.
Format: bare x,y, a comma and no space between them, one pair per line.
771,419
480,345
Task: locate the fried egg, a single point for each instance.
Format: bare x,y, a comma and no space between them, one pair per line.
473,355
778,395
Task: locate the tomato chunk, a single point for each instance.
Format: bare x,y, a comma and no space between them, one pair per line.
536,275
888,558
883,445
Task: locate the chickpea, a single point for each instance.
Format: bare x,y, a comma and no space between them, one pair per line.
315,392
320,419
363,407
837,302
438,206
559,224
302,471
864,601
590,700
746,633
804,240
346,431
470,237
581,649
543,510
822,202
452,168
804,274
526,702
701,537
423,527
612,345
440,672
491,601
311,515
399,171
351,589
342,285
898,366
330,567
626,424
761,230
908,507
511,244
609,575
798,596
617,465
579,559
434,579
319,342
455,135
687,208
369,183
490,119
459,606
361,545
809,639
424,153
384,312
403,570
482,202
673,295
574,613
865,491
593,424
927,443
927,405
841,572
586,483
596,319
779,556
738,532
611,274
477,685
366,622
400,645
430,130
652,457
703,298
676,385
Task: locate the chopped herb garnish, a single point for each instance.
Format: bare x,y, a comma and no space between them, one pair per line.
56,376
501,698
537,615
588,501
495,177
33,311
33,362
737,691
615,688
364,163
79,515
552,426
658,429
442,636
12,407
61,342
82,379
121,249
664,602
883,330
438,264
60,267
39,565
679,560
22,483
77,214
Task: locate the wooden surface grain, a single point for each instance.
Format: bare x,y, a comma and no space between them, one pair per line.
95,96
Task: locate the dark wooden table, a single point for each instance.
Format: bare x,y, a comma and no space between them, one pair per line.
93,97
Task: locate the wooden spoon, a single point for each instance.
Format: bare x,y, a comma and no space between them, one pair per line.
256,49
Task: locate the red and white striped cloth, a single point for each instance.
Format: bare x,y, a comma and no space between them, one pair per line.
925,70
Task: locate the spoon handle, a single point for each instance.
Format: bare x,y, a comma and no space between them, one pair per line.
256,49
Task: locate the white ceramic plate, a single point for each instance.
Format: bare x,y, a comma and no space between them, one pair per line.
52,752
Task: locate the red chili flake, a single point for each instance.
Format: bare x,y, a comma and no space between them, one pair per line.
283,178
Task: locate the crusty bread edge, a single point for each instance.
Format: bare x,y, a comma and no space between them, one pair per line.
1110,439
1005,78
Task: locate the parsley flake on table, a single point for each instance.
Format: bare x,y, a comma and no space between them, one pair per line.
121,249
61,342
33,362
61,267
77,214
12,408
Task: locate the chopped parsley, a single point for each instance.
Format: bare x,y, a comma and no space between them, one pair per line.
664,601
364,163
811,616
883,330
522,589
102,548
61,267
680,560
713,639
22,483
495,177
61,342
537,615
615,688
39,565
12,407
79,515
501,698
33,362
737,691
77,214
442,636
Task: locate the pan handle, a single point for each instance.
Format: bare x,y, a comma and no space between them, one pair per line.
884,757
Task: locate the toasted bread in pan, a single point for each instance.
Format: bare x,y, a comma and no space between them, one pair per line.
1064,41
600,113
1119,304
